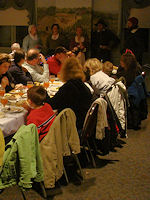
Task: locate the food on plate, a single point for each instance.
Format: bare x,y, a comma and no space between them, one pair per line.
12,109
13,96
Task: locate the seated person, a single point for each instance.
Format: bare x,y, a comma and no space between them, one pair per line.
74,93
41,113
32,65
96,76
107,68
14,47
129,68
6,80
55,62
19,74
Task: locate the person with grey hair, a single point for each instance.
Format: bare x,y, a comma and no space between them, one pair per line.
31,40
32,64
15,46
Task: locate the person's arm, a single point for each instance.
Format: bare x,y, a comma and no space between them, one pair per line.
41,77
20,76
62,99
7,82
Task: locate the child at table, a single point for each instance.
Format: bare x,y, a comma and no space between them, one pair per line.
41,114
107,68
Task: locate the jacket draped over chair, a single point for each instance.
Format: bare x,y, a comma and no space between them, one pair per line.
61,140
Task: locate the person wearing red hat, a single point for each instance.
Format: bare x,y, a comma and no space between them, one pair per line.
134,39
103,41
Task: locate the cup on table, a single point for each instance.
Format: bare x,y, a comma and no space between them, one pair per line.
58,75
2,91
29,84
52,78
4,101
46,84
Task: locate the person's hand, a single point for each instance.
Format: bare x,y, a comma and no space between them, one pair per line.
42,59
70,54
4,82
26,106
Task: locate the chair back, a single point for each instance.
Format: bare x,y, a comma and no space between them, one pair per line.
61,140
22,159
89,127
2,147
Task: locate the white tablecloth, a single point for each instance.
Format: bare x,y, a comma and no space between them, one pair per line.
11,123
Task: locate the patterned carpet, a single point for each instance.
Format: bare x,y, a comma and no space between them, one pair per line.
121,175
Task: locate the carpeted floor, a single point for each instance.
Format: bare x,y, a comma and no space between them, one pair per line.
121,175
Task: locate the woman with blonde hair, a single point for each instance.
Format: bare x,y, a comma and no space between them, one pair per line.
96,77
74,93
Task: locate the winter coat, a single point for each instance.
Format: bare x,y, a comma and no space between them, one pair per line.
61,140
22,160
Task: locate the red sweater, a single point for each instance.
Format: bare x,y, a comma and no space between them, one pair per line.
54,65
43,118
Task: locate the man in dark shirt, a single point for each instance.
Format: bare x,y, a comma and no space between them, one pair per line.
134,39
103,40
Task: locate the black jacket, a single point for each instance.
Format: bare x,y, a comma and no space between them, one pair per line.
134,42
73,94
107,38
19,75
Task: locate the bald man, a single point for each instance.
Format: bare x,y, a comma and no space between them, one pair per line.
32,64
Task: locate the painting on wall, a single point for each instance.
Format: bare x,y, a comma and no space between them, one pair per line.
107,10
68,14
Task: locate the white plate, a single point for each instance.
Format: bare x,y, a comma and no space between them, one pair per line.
12,109
14,91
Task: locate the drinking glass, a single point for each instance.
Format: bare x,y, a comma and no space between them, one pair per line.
52,78
4,101
58,75
46,84
29,84
2,91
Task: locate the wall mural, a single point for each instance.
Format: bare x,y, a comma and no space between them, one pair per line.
68,18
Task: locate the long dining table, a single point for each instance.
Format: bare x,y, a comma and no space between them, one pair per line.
13,117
